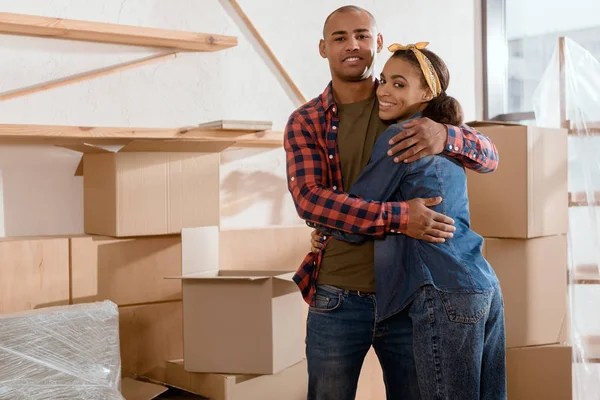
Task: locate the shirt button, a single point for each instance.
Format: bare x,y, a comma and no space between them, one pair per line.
455,148
335,188
449,147
334,127
333,109
393,231
292,178
331,156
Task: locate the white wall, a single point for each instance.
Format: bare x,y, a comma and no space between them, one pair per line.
39,193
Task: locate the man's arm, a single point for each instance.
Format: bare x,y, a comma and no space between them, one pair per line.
424,137
472,148
317,203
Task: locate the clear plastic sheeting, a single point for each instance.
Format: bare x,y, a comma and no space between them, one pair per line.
68,352
568,96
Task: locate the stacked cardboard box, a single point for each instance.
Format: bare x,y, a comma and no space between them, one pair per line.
137,201
139,197
521,210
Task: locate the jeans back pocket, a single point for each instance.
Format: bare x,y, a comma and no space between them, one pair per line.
466,307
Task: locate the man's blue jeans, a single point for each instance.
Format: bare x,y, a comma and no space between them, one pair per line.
443,346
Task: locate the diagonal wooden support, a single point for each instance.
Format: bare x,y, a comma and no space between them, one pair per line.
268,50
68,80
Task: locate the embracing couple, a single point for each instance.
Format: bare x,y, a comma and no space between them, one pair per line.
377,167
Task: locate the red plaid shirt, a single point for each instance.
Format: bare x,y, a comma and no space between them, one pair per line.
314,176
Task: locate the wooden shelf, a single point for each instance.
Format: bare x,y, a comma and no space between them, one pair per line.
58,28
63,135
580,199
592,129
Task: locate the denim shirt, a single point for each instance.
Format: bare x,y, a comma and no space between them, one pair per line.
404,264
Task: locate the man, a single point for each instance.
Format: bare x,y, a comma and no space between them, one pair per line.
328,142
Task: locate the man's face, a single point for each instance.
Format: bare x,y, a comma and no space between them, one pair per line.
350,43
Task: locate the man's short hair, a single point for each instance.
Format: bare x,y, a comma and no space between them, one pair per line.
349,8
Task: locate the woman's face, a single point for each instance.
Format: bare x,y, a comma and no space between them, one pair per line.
401,93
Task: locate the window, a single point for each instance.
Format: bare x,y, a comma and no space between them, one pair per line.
520,38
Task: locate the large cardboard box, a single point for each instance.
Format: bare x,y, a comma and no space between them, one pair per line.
125,271
527,196
289,384
540,372
533,278
236,322
34,273
149,336
150,187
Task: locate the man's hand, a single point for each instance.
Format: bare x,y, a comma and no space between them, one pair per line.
422,137
426,224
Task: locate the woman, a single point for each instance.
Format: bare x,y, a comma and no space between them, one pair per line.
453,294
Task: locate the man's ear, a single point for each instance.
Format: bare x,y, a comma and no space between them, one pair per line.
379,42
322,48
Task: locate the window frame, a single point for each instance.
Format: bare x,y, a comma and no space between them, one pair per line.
495,64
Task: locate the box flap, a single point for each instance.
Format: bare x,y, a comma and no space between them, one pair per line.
199,250
287,277
133,389
217,275
191,146
84,148
476,124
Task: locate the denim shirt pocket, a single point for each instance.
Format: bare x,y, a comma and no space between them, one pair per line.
466,307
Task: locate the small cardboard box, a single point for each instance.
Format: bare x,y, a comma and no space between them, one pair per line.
104,268
540,372
150,187
527,196
289,384
236,322
34,273
533,278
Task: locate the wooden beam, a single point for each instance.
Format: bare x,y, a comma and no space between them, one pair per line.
83,76
58,28
268,50
61,135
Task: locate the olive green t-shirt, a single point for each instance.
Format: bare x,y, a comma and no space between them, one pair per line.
346,265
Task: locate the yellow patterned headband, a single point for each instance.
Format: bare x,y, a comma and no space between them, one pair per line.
430,75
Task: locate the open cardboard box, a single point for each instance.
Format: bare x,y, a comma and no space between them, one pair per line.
527,196
236,322
150,187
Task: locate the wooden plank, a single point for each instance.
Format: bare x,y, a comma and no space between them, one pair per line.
59,28
580,199
267,50
75,135
83,76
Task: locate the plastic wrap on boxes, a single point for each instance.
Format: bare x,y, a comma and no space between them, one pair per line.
568,96
68,352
